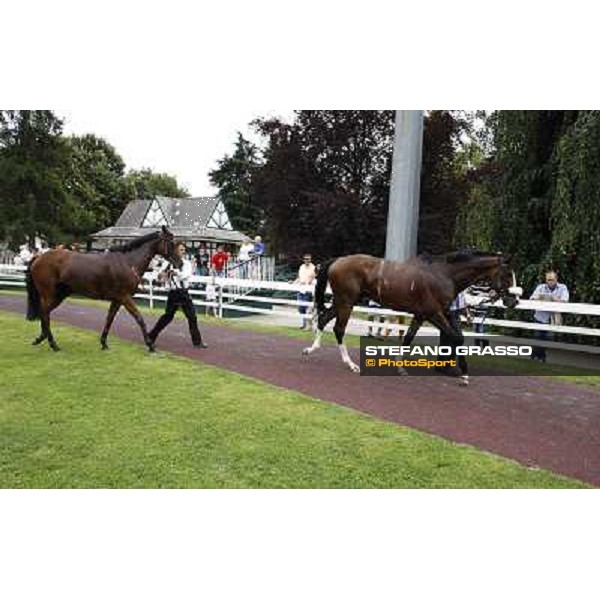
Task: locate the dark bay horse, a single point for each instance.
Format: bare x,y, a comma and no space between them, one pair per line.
113,276
422,286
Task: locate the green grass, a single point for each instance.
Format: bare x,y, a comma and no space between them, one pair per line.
125,418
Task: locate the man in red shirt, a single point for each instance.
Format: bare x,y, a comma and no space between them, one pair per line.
219,260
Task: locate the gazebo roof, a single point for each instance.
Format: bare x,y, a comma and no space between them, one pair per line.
188,219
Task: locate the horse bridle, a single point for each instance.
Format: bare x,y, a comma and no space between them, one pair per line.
494,295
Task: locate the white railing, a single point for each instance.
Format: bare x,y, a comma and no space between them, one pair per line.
228,297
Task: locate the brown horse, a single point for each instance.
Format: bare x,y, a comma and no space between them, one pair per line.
113,276
422,286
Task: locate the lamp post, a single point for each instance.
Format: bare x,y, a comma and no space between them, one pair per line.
403,213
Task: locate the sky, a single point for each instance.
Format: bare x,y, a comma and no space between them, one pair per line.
186,144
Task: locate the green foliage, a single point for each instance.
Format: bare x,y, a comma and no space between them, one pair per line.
147,184
234,177
536,197
63,188
96,181
33,160
443,179
322,182
575,247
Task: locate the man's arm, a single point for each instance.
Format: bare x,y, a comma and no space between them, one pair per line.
564,294
537,293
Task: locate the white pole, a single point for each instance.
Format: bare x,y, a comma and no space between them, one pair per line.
403,213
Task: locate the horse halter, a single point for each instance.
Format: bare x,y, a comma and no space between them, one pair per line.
167,243
513,292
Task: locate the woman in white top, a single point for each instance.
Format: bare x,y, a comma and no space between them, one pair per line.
307,274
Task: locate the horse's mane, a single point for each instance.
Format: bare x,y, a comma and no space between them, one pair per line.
129,246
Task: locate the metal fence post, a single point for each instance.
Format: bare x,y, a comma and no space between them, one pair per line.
151,294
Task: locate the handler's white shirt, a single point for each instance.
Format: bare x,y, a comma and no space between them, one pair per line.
179,278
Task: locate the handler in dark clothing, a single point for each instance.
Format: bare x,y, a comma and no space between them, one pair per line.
177,281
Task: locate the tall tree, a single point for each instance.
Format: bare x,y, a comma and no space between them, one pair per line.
96,179
324,183
512,204
443,179
145,183
33,161
234,178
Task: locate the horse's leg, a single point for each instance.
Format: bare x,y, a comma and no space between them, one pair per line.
413,328
112,311
321,321
343,315
45,308
132,309
455,338
462,361
60,293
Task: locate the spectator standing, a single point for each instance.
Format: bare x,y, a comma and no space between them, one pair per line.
551,291
244,256
257,252
376,332
479,312
458,308
211,296
219,260
25,254
306,277
259,247
202,261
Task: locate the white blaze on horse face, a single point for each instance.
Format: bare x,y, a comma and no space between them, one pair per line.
347,360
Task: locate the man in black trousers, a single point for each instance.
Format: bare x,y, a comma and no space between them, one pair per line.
177,281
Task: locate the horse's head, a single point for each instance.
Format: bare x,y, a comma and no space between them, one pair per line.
167,248
504,282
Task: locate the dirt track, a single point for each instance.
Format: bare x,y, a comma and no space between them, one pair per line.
536,421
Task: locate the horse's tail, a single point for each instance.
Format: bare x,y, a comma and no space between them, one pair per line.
33,296
322,279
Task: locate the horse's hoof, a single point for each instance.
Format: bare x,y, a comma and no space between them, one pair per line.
151,349
463,380
354,368
306,352
104,347
200,345
55,347
37,341
402,372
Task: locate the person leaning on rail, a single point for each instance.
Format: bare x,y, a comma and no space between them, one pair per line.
177,282
551,291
